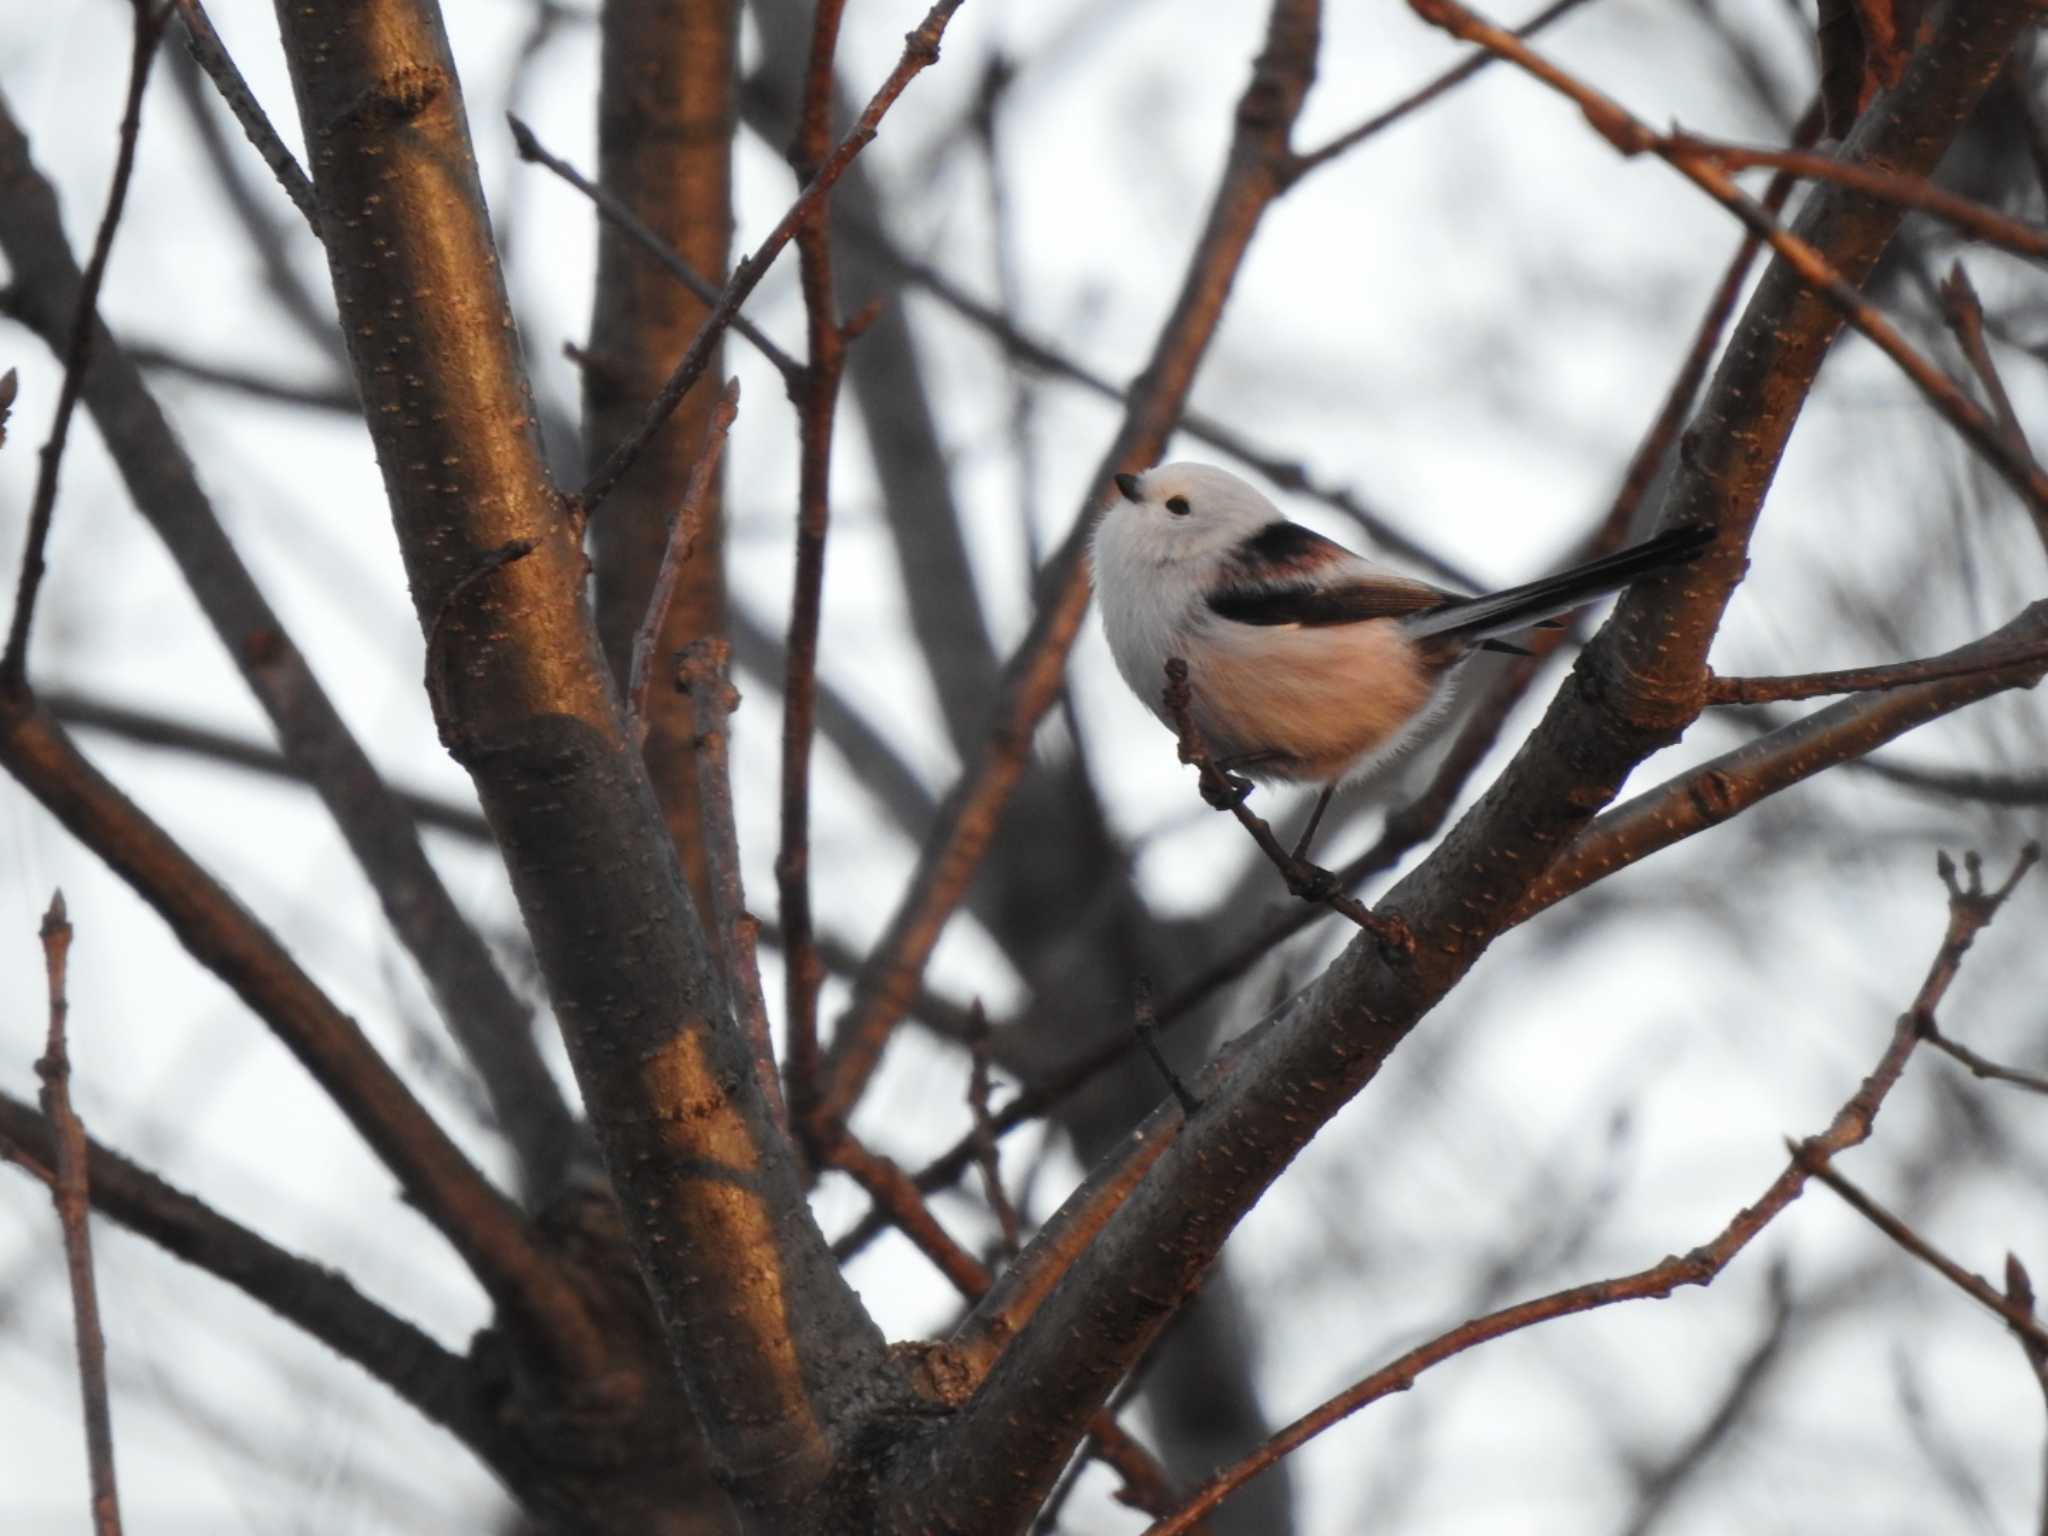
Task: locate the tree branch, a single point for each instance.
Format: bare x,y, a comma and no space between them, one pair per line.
71,1191
81,329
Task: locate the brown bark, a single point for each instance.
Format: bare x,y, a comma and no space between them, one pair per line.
664,143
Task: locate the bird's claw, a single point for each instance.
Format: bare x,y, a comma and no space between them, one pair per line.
1226,791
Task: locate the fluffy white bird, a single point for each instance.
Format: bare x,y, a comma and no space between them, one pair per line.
1308,663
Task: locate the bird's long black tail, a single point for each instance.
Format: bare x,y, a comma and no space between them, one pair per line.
1468,620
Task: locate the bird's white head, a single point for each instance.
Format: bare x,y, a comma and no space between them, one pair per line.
1180,513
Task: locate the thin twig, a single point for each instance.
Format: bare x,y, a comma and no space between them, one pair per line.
77,351
921,47
211,55
687,524
1146,1027
73,1198
614,209
1715,791
1987,224
1981,1066
2019,1319
1455,76
1816,685
1970,910
1965,316
817,397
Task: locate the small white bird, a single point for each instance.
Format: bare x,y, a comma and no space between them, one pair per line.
1307,663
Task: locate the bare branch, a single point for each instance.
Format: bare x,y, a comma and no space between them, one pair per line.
1451,78
211,55
1917,192
1723,787
153,730
818,405
2019,1319
1815,685
83,326
71,1190
682,544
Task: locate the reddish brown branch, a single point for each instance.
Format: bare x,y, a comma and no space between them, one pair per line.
1987,224
2019,1319
1969,911
1816,685
921,47
1725,786
892,1190
818,404
70,1189
211,55
1965,317
84,323
1981,1066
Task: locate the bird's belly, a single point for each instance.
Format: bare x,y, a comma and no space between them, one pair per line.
1314,704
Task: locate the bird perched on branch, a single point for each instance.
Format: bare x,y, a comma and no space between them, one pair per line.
1308,663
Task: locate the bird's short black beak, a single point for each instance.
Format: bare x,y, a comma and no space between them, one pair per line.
1128,485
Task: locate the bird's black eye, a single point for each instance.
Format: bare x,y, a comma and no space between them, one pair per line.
1178,506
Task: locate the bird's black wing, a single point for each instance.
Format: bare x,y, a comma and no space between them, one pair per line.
1288,574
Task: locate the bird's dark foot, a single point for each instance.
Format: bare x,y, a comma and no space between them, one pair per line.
1311,882
1226,791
